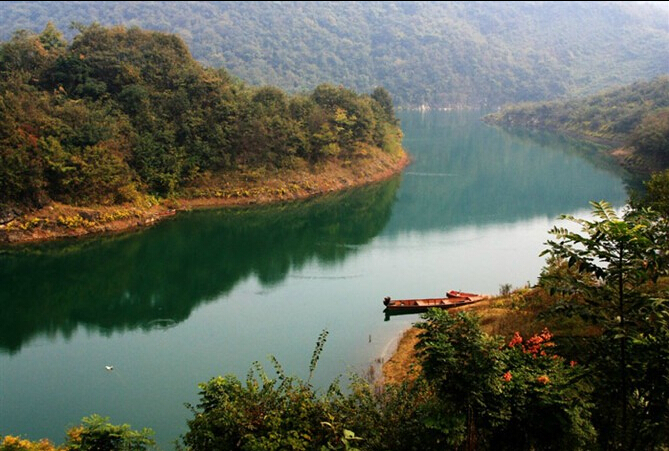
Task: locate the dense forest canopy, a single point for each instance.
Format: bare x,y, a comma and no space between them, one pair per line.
440,54
119,113
636,116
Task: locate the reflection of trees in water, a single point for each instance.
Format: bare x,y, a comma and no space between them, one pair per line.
469,173
130,281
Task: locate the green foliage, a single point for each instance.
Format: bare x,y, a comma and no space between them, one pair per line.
543,401
287,413
383,99
505,289
651,136
435,53
97,434
392,417
462,363
491,396
266,414
28,55
124,111
635,113
634,116
610,281
317,353
656,195
614,260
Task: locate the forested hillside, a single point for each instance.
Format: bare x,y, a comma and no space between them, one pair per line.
120,114
636,116
440,54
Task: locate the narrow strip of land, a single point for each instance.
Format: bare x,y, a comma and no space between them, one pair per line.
250,187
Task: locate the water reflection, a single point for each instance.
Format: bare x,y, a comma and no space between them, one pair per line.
156,278
495,176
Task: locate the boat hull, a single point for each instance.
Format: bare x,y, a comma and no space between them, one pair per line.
406,306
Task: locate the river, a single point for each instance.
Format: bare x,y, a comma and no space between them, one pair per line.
207,293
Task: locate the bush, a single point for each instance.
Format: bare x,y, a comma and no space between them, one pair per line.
516,396
95,433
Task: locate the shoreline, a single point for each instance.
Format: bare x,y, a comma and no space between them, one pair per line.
614,148
399,359
58,221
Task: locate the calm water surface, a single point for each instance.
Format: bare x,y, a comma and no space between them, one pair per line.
208,293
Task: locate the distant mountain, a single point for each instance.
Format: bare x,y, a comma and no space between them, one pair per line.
440,54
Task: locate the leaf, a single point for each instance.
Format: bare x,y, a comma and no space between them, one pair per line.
320,343
350,435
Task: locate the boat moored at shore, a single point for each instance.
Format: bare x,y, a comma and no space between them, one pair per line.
452,299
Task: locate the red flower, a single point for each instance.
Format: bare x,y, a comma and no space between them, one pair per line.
507,376
536,343
517,339
543,379
546,335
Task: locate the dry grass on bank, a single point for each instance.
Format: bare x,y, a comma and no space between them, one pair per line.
502,315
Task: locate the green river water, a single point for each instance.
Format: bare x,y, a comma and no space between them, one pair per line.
207,293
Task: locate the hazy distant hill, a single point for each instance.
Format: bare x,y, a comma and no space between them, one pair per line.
636,116
611,115
435,53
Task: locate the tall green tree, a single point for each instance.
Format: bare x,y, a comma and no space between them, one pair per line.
613,265
656,194
651,136
463,364
382,97
496,396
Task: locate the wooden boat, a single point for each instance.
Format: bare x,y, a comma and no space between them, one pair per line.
461,294
452,299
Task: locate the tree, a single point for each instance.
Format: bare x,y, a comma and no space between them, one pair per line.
520,396
651,136
543,400
124,112
30,53
656,195
382,97
463,364
52,38
610,281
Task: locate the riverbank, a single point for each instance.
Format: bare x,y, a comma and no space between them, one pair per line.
245,187
402,364
498,317
626,157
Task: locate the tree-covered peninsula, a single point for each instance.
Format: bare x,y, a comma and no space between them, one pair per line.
121,119
632,120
